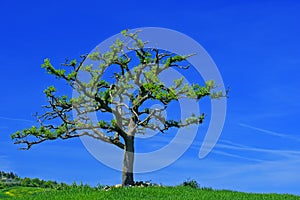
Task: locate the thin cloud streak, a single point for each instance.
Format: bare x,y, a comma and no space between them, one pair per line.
286,153
272,133
226,144
236,156
17,119
234,144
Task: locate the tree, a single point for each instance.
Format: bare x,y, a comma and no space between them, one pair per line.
125,96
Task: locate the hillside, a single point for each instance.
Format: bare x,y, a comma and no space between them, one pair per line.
13,187
179,192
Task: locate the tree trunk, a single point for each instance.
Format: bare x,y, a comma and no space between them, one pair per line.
127,171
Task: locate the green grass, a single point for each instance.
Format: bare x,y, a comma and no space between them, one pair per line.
179,192
19,192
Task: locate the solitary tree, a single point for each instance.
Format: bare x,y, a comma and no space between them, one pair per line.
125,96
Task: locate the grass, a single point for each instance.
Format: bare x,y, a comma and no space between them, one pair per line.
179,192
19,192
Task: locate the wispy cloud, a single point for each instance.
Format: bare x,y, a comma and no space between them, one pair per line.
286,153
273,167
272,133
233,143
17,119
224,146
236,156
239,149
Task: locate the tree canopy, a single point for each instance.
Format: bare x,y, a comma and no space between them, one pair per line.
124,95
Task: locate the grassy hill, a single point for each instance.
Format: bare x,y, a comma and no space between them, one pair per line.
179,192
13,187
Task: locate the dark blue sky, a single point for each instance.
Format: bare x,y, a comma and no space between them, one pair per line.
255,45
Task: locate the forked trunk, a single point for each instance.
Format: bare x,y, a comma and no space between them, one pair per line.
127,171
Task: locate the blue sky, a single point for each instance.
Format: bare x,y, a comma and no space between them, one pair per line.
254,44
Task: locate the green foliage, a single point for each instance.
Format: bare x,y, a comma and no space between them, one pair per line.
60,73
178,82
51,70
175,59
191,183
73,62
35,182
158,92
42,131
49,91
124,32
2,185
172,123
10,180
114,123
195,119
102,124
8,175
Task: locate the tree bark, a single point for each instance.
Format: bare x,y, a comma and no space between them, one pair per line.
127,170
